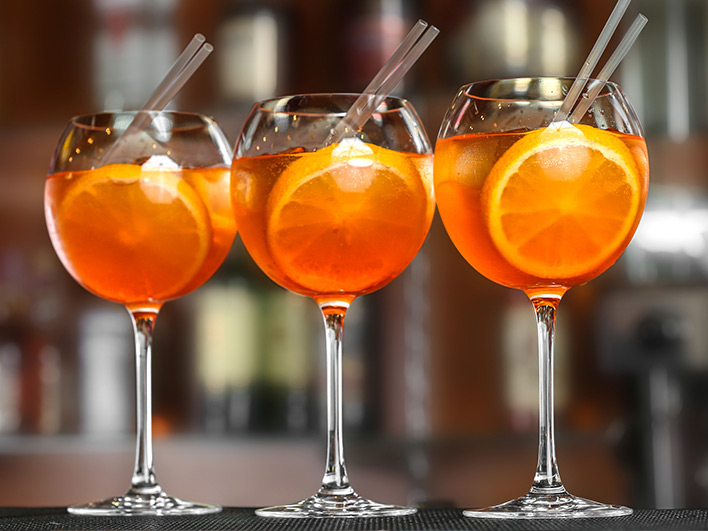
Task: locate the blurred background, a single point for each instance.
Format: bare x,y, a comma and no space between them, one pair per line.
440,382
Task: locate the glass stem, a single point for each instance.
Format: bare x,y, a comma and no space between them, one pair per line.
335,480
143,482
547,479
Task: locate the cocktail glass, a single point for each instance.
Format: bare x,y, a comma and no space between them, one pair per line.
540,206
140,220
332,222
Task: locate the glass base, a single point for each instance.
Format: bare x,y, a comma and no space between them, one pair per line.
550,505
131,504
327,505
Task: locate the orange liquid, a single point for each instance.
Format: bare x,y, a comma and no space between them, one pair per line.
462,165
123,242
332,265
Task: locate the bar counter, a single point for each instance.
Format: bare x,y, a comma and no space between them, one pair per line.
244,519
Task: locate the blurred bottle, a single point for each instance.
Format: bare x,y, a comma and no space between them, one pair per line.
375,29
32,397
251,51
50,317
10,355
250,41
134,45
503,38
105,371
283,384
666,77
41,398
360,366
519,347
253,351
226,346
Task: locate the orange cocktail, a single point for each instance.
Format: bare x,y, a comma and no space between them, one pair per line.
132,234
541,200
333,211
138,210
545,209
339,222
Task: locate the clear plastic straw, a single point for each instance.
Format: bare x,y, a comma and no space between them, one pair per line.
413,35
407,53
185,57
183,68
178,82
393,80
615,59
593,57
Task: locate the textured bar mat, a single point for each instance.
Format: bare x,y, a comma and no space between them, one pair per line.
239,519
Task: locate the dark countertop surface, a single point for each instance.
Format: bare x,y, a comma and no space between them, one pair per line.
244,519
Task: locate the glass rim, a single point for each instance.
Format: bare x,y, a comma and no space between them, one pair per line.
83,120
609,87
265,105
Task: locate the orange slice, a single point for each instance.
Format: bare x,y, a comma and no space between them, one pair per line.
562,200
144,233
342,219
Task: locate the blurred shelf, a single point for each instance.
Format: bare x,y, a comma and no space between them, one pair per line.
257,471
